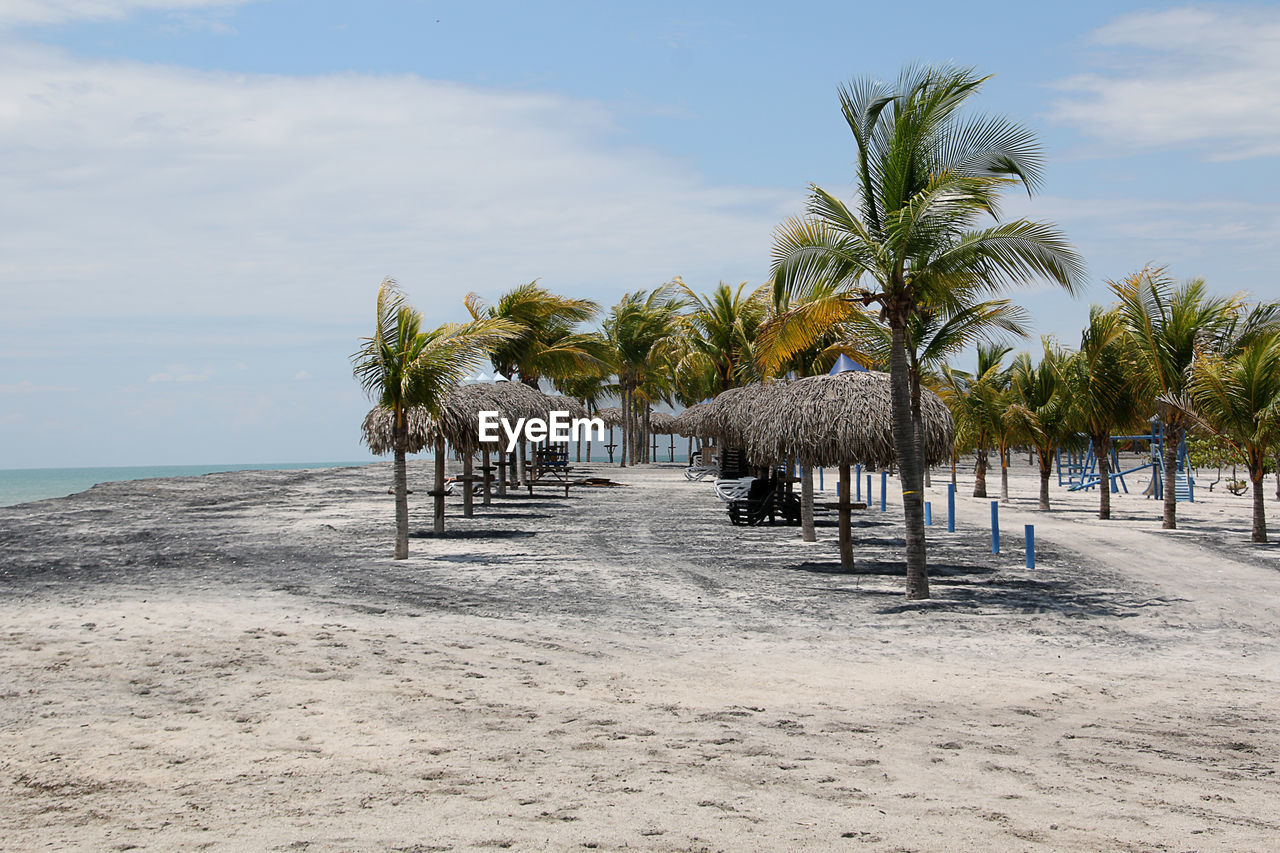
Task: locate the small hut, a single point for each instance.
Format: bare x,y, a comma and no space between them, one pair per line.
661,423
839,420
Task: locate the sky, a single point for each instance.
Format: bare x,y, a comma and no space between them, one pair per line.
198,199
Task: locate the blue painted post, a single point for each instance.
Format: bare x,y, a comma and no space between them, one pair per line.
857,483
884,487
868,490
995,527
837,488
951,507
821,488
1031,546
928,514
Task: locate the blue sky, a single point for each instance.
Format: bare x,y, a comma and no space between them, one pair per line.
201,197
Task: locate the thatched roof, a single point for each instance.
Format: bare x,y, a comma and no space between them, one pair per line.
729,415
687,422
661,423
612,416
378,426
511,400
561,403
844,418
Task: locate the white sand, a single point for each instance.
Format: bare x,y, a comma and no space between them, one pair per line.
1124,696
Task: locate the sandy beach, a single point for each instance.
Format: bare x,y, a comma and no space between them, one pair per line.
233,662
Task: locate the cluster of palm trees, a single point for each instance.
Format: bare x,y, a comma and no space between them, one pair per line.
904,278
1162,352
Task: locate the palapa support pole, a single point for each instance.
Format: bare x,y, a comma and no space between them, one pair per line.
438,493
488,479
468,499
807,531
846,532
502,474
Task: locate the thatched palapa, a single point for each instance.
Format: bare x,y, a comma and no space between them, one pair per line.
730,416
378,426
661,423
841,419
612,416
511,400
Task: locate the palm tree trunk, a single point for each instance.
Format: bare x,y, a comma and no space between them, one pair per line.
846,530
468,497
626,417
1046,469
907,450
401,477
1102,449
980,474
1172,439
439,489
1004,474
1259,504
807,531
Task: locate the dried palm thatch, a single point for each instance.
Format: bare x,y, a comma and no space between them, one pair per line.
379,424
611,416
661,423
511,400
561,403
731,414
688,422
840,419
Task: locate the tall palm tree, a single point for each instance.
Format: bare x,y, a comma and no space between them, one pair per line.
401,367
717,333
1168,325
588,388
1238,397
1105,396
978,401
1040,409
547,342
926,175
637,329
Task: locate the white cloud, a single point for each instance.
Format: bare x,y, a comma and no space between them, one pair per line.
139,190
59,11
1206,78
301,375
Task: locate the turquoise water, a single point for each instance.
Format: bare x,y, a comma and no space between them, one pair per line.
19,485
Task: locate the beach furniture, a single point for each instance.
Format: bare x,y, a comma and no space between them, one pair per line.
767,499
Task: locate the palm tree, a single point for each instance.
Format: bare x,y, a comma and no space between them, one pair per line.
637,329
1238,397
1041,407
926,175
1168,324
588,389
402,367
1104,394
547,342
717,334
978,401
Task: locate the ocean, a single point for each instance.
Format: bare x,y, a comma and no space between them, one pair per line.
20,485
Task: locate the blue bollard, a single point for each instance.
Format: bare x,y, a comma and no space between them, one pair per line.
820,486
884,487
868,490
995,527
1031,546
951,507
857,483
928,514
